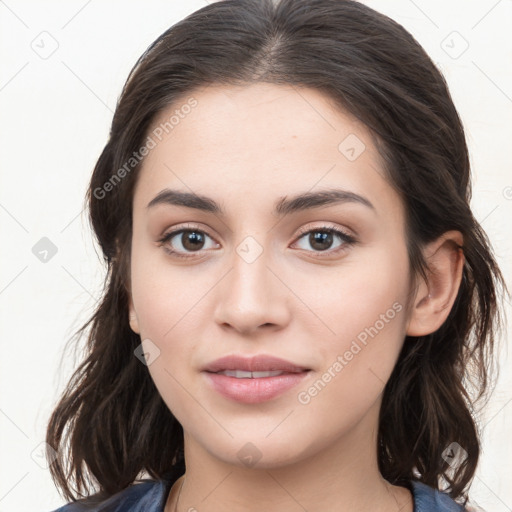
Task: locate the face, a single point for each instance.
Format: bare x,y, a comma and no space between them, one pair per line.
243,268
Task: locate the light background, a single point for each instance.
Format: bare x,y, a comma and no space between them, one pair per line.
55,115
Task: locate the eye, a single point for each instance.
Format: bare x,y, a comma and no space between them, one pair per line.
185,240
321,239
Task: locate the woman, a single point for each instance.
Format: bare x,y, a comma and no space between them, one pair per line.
298,293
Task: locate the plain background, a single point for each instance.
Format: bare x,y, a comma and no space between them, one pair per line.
62,68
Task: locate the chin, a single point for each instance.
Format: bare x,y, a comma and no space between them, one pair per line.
260,452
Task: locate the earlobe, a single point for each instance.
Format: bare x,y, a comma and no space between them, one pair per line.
134,322
434,298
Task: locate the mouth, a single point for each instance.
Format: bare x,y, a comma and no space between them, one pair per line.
241,374
255,379
254,365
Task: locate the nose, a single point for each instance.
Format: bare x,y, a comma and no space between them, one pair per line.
252,296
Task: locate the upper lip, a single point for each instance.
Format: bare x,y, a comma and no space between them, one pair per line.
260,363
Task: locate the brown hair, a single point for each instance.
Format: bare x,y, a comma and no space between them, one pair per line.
111,423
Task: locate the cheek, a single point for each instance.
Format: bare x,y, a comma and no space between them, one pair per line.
362,327
356,295
366,319
169,306
166,298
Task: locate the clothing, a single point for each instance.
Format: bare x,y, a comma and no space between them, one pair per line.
151,496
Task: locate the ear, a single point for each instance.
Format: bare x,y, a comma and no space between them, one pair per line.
434,298
134,321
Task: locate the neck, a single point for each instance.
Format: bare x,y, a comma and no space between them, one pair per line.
342,478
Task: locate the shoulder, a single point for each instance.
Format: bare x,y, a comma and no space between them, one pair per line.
427,499
145,496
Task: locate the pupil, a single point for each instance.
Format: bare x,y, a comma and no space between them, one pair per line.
192,240
319,238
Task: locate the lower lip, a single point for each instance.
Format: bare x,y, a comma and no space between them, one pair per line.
254,391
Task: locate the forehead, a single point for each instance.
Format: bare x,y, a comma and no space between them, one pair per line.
259,141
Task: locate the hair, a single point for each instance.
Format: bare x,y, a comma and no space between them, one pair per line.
110,424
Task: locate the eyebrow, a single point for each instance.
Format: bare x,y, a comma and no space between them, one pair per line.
284,206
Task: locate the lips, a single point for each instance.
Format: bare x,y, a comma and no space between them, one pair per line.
255,379
255,364
242,374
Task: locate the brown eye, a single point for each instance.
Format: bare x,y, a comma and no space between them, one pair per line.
192,240
322,239
183,242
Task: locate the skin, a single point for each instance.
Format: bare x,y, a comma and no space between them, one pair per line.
246,148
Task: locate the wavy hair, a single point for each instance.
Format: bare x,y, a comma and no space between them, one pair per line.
110,425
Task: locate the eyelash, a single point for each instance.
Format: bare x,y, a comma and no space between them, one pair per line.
347,239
